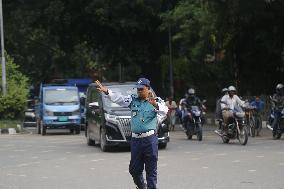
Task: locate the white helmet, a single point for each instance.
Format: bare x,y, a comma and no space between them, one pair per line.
191,91
232,88
279,86
224,90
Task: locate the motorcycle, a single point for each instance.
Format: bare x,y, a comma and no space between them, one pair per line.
192,122
250,112
237,129
278,114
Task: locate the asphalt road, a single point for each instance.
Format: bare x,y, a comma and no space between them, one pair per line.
63,161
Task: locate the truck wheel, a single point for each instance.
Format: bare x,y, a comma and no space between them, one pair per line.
77,130
43,129
38,127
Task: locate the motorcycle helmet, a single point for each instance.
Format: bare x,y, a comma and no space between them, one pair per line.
224,90
232,88
279,88
191,92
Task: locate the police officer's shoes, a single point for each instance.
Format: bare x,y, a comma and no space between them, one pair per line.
145,186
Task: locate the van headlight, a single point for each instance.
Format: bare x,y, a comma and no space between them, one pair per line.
111,118
48,113
76,113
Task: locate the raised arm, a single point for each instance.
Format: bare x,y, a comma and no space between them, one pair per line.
121,100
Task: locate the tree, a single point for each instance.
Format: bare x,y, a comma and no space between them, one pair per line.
13,104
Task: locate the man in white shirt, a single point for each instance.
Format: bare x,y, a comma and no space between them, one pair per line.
229,102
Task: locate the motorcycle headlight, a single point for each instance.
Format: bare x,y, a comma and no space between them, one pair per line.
111,118
161,118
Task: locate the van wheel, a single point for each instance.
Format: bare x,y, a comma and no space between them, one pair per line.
38,127
103,145
90,141
43,129
78,130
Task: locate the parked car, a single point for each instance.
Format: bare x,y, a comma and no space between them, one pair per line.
108,124
29,114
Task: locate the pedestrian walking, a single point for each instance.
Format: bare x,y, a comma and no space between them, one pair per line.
172,106
144,142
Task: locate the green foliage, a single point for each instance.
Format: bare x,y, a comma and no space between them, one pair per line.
13,104
215,43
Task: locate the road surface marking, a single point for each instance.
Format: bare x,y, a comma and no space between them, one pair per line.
95,160
251,170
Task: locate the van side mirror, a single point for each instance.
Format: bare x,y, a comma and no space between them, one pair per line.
82,100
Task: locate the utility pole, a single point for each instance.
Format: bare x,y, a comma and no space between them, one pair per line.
171,63
3,52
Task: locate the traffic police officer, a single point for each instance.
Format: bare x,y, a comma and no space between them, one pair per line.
144,142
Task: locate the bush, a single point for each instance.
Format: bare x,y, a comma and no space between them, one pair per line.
13,104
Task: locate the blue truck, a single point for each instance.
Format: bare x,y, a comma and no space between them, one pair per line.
58,107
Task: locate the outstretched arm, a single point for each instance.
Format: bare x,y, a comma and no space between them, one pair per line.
119,99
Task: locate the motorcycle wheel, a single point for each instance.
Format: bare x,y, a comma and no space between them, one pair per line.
277,135
199,133
253,131
243,136
189,136
225,139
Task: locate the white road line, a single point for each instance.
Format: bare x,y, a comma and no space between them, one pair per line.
163,165
222,154
259,156
23,165
17,150
195,159
251,170
95,160
205,167
236,161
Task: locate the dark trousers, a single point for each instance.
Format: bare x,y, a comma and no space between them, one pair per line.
144,151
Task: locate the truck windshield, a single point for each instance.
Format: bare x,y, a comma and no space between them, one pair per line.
61,96
124,90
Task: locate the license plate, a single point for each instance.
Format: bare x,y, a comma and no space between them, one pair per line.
62,118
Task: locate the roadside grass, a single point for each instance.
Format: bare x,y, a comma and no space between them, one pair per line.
5,124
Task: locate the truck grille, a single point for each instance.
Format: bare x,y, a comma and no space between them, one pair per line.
62,113
125,126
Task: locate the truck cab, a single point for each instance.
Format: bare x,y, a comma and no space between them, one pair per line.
58,108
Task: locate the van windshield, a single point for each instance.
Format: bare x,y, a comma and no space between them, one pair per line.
124,90
61,96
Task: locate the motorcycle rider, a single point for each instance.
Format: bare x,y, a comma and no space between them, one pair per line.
218,111
191,100
259,108
278,99
229,102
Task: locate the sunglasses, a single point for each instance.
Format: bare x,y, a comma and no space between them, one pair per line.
140,89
